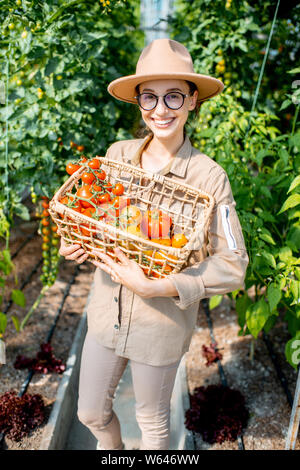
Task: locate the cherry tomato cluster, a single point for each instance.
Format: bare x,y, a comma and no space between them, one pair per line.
95,196
50,245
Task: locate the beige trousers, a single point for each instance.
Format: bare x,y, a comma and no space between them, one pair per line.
100,373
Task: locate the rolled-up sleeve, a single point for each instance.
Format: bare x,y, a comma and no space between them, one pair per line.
224,270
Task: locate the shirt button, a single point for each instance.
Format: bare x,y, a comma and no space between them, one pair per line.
116,327
116,299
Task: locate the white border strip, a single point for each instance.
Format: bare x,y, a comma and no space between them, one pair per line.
227,227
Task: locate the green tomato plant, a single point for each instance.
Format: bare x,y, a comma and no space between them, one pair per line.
56,60
258,148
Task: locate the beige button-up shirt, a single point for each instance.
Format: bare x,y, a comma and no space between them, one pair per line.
157,331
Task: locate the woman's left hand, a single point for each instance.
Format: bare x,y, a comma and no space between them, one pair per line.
126,272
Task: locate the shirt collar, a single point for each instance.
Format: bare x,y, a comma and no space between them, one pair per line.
179,163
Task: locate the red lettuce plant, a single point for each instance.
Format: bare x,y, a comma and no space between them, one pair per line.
20,415
217,412
43,363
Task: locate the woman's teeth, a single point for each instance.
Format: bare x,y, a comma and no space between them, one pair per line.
163,123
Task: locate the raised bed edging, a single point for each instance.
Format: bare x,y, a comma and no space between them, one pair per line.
56,432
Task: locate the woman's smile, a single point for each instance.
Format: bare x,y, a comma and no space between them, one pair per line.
163,123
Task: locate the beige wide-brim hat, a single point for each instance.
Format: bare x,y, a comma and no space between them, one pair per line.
164,59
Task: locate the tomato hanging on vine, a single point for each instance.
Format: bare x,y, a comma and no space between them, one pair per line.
50,246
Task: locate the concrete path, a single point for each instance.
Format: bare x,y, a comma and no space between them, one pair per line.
80,438
64,431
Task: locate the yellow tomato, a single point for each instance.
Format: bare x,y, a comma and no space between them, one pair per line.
135,230
159,255
179,240
130,215
162,241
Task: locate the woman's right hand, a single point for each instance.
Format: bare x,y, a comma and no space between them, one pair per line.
72,252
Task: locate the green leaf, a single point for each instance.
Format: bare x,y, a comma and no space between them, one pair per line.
22,211
7,258
267,238
3,323
292,350
274,295
294,184
297,272
260,156
285,253
16,322
51,66
18,297
269,258
270,323
285,104
284,155
291,201
296,70
241,306
256,316
295,139
293,322
295,290
215,301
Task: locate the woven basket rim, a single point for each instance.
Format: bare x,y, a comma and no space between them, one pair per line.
142,171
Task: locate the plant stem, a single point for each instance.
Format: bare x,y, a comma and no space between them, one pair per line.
33,307
252,348
295,119
294,125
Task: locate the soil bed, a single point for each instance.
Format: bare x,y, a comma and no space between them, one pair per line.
36,331
256,380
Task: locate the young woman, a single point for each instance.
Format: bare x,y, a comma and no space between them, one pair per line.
131,317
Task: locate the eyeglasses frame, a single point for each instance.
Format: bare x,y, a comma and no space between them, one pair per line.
161,96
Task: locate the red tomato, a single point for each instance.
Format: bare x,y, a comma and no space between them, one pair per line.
101,175
64,200
87,177
94,164
103,198
90,212
71,168
68,200
119,203
85,192
156,224
108,186
97,188
118,189
75,205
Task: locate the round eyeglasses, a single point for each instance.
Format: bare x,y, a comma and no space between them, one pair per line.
173,100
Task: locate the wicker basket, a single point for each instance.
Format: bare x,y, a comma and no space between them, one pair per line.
189,208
